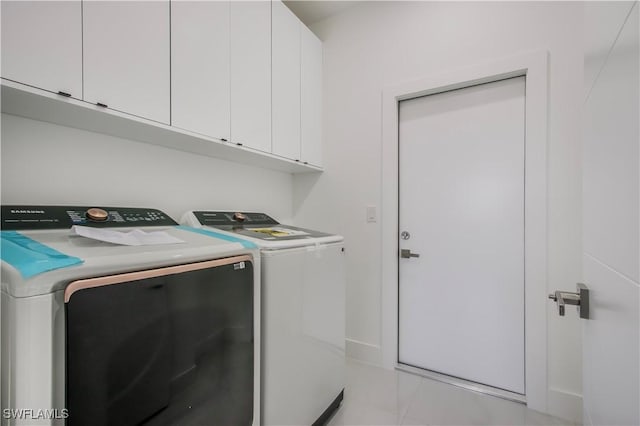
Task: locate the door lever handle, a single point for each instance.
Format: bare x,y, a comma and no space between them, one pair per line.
406,254
580,299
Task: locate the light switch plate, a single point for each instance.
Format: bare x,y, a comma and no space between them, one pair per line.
372,215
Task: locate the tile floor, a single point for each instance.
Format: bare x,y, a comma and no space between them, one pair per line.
374,396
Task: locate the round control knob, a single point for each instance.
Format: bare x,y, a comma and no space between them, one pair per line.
239,217
97,214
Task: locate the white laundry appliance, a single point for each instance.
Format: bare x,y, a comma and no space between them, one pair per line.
303,314
96,333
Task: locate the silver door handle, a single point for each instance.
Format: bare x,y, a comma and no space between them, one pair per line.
406,254
580,299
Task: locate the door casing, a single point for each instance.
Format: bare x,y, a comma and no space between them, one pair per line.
532,65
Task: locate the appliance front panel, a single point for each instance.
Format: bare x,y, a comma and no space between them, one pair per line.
162,346
303,333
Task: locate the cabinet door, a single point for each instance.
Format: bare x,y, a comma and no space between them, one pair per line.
311,104
126,56
42,44
250,25
285,114
200,67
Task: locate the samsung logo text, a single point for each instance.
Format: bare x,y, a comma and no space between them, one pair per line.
27,211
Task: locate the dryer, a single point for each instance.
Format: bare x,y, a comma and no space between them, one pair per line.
303,314
104,334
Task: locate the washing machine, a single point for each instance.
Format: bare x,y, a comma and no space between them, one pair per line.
303,314
163,331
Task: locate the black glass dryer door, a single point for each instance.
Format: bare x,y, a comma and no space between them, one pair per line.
162,348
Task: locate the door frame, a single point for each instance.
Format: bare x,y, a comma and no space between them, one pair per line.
534,66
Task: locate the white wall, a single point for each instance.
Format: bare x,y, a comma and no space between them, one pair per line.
43,163
379,44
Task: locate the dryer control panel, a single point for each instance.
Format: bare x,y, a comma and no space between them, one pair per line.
221,219
16,218
254,225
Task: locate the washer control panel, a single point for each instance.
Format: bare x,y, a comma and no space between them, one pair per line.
16,218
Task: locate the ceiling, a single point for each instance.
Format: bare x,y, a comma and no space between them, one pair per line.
312,11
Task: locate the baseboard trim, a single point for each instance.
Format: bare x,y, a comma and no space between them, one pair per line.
565,405
586,418
364,352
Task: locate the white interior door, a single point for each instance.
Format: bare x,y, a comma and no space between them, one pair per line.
461,190
611,261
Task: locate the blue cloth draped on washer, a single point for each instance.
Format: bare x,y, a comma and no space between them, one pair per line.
30,257
245,243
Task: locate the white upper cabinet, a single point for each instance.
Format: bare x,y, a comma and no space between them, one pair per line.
311,98
246,72
200,67
126,56
250,53
42,44
285,63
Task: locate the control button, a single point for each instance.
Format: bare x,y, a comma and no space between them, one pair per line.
239,217
98,215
